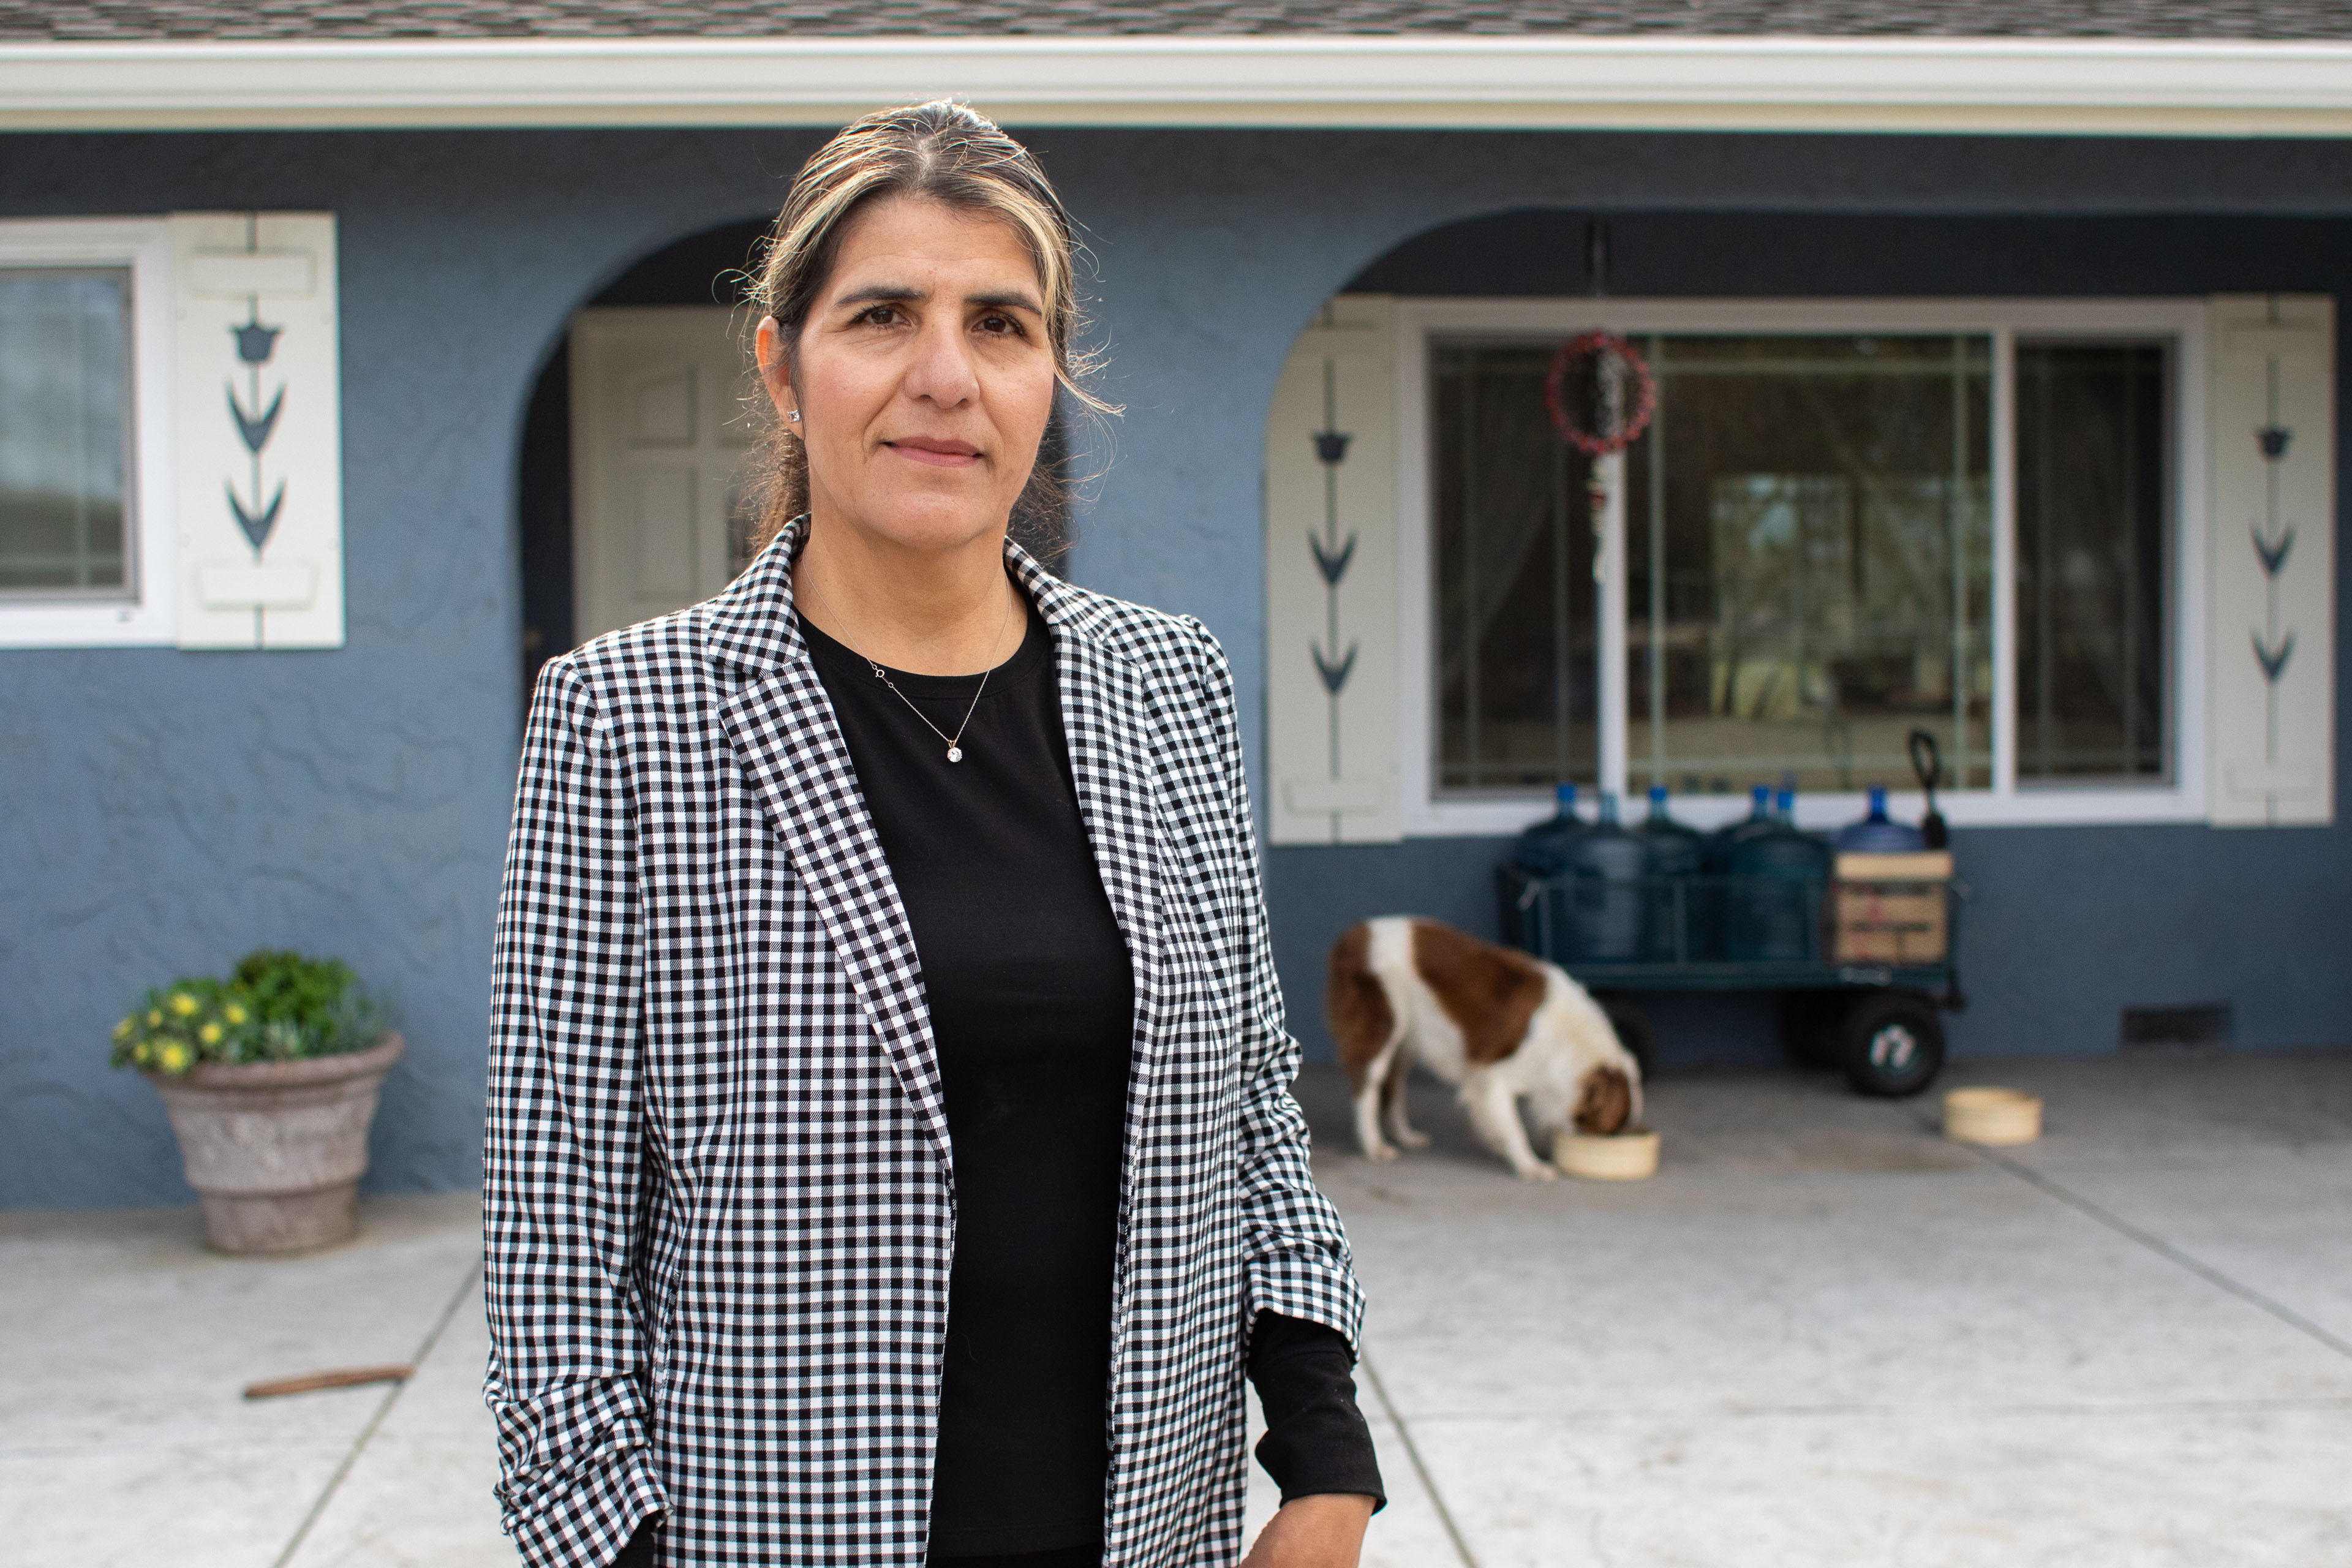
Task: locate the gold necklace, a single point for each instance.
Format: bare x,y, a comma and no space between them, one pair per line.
955,741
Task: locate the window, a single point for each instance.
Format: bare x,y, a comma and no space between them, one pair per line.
64,432
2092,684
1809,556
1844,525
1519,614
84,557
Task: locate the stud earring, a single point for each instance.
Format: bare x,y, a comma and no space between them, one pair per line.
793,418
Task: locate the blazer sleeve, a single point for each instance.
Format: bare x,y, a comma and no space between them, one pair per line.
1299,1265
560,1162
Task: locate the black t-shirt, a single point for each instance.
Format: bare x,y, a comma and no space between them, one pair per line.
1031,996
1032,1004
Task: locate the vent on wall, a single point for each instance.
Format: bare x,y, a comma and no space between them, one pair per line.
2194,1024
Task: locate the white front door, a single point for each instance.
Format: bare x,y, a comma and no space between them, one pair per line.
658,434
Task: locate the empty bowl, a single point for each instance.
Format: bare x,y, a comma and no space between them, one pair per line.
1991,1115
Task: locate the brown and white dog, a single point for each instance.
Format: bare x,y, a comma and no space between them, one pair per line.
1494,1023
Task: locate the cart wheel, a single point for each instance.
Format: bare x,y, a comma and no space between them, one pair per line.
1891,1044
1808,1027
1634,1031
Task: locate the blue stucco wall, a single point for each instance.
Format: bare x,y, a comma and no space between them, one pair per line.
162,811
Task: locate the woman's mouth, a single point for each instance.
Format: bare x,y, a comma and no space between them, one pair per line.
937,454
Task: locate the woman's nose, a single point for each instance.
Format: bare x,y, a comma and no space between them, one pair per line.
941,371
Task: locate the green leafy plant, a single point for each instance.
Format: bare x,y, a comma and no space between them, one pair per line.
276,1007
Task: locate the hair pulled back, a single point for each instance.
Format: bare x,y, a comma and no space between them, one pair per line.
940,152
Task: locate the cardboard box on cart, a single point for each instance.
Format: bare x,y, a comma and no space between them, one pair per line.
1891,909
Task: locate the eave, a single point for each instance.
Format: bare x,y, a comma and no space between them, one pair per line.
1996,86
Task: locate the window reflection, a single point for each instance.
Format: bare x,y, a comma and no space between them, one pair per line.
1809,539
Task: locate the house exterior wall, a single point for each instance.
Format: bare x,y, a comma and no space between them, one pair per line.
166,811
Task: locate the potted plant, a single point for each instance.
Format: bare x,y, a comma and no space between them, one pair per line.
270,1078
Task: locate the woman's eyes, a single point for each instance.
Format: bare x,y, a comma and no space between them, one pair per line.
992,324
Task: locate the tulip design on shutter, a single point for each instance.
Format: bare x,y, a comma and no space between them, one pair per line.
2273,541
1332,668
2271,561
255,425
256,430
1331,558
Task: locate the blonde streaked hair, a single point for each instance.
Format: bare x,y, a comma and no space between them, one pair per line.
940,152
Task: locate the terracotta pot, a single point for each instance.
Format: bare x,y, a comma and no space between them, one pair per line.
277,1149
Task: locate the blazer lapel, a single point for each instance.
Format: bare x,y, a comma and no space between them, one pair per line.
1109,720
784,732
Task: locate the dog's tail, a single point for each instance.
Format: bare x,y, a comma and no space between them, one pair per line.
1355,1004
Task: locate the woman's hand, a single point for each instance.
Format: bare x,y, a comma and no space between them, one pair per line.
1324,1531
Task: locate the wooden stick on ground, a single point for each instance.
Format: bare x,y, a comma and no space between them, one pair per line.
342,1377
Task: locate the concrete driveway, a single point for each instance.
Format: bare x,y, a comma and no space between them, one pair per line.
1821,1336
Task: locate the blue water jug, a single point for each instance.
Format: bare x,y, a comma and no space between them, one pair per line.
1543,848
1780,876
1718,844
1673,855
1534,921
1877,834
1603,921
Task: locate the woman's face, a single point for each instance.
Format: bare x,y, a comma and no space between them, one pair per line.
922,376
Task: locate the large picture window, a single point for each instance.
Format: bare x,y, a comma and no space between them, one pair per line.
1808,560
1841,526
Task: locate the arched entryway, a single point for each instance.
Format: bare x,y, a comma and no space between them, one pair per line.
1905,474
694,283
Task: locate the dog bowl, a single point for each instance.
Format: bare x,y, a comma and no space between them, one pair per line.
1628,1156
1991,1115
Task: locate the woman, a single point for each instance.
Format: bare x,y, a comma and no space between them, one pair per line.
891,1157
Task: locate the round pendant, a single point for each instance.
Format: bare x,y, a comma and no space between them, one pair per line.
955,753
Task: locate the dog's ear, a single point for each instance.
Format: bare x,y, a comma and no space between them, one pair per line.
1604,1102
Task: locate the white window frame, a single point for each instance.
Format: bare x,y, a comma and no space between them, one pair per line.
2180,799
145,618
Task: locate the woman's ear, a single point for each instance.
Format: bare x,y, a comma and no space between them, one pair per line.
776,369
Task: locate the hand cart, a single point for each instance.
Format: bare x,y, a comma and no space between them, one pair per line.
1875,1022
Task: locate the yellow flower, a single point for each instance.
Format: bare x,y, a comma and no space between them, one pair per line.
141,1054
173,1057
183,1004
210,1033
154,1017
233,1012
123,1030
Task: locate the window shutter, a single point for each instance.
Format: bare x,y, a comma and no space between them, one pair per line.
1331,582
257,418
2271,691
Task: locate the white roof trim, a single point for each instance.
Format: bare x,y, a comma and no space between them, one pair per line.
1993,85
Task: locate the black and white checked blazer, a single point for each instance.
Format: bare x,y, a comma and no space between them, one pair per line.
720,1198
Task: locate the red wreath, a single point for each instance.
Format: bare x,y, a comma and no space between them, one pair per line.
1573,354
